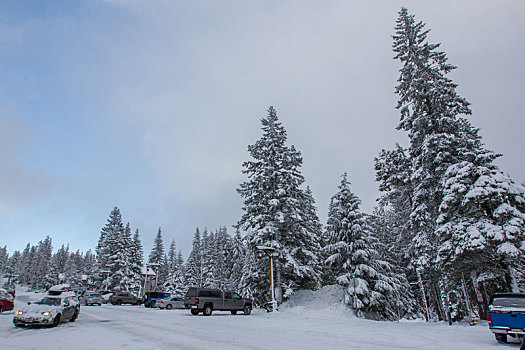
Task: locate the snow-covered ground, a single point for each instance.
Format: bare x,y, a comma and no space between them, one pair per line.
311,320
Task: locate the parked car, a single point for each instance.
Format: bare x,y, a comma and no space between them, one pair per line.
150,298
206,300
91,298
171,303
6,301
49,311
124,298
506,316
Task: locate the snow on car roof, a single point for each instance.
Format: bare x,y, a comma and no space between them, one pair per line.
60,288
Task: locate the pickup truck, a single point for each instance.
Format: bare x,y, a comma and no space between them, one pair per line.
506,316
206,300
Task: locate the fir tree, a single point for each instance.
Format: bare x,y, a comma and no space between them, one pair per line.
274,211
157,256
4,258
352,249
194,262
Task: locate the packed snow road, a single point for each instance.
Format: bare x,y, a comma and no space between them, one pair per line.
136,327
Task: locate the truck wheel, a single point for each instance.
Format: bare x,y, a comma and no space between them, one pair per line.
501,338
234,312
207,310
247,310
194,312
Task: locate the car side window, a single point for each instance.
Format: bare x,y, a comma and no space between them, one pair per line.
236,296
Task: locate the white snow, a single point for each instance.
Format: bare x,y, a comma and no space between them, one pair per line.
310,320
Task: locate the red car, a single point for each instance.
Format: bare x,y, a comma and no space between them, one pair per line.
6,301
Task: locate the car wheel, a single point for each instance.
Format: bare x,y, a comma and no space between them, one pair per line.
234,312
247,310
501,338
169,306
74,317
56,321
119,302
194,312
207,310
153,302
85,302
138,302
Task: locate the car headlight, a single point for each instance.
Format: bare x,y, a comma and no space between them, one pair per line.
18,313
47,313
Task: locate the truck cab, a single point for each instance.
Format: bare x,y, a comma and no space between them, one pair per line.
506,316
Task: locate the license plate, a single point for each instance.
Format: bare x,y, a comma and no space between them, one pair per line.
194,306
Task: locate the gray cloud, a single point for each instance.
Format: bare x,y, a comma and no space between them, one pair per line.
189,82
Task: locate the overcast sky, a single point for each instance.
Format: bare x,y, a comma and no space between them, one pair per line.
150,105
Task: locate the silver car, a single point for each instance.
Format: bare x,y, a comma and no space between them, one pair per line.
171,303
49,311
91,298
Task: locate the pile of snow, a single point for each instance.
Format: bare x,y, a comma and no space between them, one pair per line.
328,298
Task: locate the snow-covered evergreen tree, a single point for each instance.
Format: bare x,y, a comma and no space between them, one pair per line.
175,282
137,258
463,208
482,222
157,256
431,112
369,281
123,276
4,258
109,236
274,211
236,258
194,263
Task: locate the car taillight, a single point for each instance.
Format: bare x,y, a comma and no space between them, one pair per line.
90,297
196,300
489,319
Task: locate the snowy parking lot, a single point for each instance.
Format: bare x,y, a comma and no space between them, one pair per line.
293,327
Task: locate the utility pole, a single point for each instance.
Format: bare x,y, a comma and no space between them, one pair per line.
270,251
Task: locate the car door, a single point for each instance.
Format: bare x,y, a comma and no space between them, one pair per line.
67,311
127,298
228,301
178,303
237,301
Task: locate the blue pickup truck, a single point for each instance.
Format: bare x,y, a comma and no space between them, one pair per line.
506,316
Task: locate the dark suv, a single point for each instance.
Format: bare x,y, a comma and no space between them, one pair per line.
206,300
151,298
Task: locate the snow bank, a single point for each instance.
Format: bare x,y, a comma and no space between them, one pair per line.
328,298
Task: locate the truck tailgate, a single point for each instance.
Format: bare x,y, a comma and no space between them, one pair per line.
512,320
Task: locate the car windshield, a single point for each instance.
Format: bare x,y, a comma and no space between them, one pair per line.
49,301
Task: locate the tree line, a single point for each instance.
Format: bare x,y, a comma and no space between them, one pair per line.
448,225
